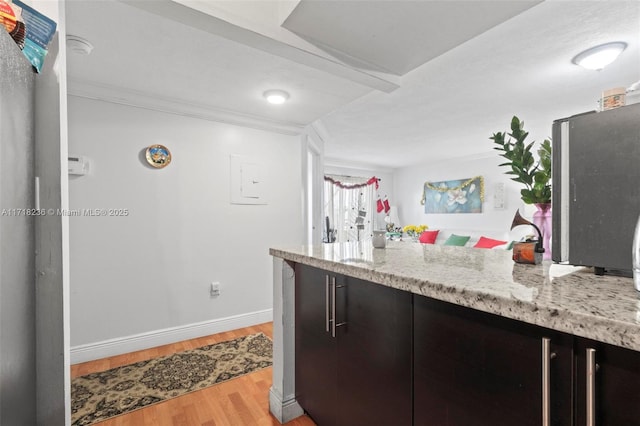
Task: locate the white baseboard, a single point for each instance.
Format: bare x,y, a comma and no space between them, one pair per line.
136,342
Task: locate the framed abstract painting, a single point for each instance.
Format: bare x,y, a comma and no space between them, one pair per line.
454,196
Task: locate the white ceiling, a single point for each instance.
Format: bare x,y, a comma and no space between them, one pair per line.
396,37
379,107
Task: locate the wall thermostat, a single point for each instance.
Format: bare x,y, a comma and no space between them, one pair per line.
78,166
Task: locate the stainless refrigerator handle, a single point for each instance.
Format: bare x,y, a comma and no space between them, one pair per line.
546,381
591,387
37,192
326,302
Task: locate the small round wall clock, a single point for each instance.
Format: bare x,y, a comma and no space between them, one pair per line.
158,156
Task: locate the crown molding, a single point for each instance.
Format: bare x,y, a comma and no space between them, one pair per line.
122,96
346,164
320,130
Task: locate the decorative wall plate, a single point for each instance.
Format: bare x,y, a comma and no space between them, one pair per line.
158,156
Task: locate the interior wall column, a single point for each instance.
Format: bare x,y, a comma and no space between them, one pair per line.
282,402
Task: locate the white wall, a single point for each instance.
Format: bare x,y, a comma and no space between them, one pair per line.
151,270
409,182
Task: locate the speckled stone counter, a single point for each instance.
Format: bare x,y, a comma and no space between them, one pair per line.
560,297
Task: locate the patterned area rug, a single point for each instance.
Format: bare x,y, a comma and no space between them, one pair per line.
99,396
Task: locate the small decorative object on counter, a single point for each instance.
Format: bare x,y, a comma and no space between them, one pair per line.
528,251
542,219
414,231
379,238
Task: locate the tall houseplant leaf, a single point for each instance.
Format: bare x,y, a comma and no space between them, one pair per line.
522,165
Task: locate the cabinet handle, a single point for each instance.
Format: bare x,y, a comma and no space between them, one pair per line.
546,381
333,308
591,387
326,302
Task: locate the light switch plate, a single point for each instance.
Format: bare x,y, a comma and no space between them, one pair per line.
499,196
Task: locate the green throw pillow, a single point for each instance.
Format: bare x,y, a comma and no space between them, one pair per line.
456,240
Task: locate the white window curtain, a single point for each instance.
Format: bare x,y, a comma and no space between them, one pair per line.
349,212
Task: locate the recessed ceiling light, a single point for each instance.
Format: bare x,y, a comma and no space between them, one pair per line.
599,57
276,97
78,45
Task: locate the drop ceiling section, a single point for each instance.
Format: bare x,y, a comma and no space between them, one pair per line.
396,36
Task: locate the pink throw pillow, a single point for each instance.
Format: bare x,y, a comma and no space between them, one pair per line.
428,237
485,242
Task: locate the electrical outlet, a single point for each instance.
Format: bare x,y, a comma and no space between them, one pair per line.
215,289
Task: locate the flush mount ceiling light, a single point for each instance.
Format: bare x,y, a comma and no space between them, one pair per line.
599,57
276,97
78,45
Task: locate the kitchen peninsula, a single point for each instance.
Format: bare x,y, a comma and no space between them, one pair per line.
453,335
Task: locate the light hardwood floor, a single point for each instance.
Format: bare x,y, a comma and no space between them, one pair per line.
237,402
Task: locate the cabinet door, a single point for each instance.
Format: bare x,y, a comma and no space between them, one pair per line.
374,354
315,349
616,384
474,368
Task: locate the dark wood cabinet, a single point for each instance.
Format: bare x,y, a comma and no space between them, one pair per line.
316,374
474,368
359,373
367,354
613,396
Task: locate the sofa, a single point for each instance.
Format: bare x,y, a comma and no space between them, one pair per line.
494,239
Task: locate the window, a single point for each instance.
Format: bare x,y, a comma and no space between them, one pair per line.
349,208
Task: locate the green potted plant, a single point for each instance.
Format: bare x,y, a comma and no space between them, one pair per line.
534,175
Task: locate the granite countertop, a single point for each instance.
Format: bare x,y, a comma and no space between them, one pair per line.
561,297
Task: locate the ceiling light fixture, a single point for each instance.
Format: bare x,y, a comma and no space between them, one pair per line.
600,56
79,45
276,97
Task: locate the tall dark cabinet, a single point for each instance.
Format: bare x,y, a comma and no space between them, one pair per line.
316,350
353,350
